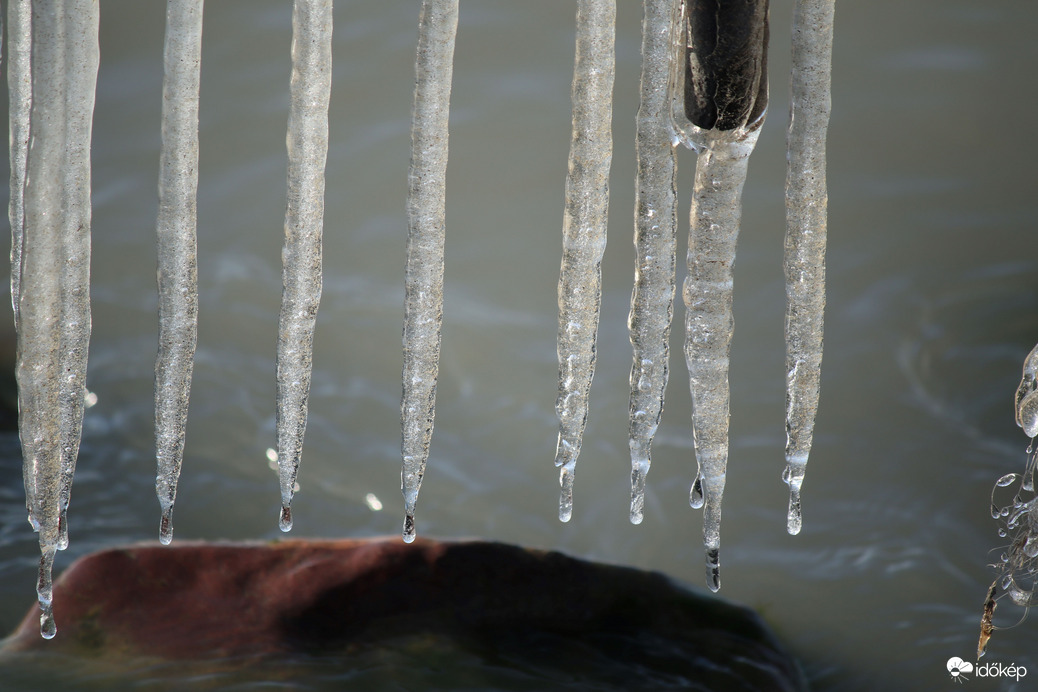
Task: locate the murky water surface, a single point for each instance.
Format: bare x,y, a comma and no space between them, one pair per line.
932,305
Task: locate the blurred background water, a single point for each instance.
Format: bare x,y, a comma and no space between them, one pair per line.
932,305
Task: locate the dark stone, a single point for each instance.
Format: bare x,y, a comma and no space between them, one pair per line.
506,606
726,63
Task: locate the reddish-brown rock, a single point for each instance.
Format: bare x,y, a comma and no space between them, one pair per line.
334,598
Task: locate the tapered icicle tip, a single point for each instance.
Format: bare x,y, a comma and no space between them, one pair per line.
566,495
638,473
166,527
409,532
45,593
285,520
713,569
695,495
793,476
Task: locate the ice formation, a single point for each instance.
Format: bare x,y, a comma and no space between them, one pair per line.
426,200
1018,517
655,240
178,268
53,308
310,92
719,100
806,209
584,231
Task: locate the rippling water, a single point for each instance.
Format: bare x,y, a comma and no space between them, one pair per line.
932,305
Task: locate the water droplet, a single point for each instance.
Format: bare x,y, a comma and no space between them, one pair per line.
1006,480
48,627
794,519
995,512
285,520
166,527
409,532
713,569
1001,533
695,496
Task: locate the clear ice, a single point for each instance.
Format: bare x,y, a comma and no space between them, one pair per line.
426,231
307,140
584,231
655,241
177,266
53,310
718,99
806,209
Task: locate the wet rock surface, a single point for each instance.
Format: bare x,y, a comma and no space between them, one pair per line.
540,619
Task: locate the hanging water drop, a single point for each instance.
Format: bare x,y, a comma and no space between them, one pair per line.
177,248
307,142
426,200
584,231
655,241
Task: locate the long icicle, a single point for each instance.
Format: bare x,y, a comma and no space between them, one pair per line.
655,241
584,231
806,211
54,306
426,231
720,95
177,252
19,80
311,89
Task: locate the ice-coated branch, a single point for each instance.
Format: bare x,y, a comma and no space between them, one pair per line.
307,140
54,306
655,241
177,255
426,231
584,230
806,211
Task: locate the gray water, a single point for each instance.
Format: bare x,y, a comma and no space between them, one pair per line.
932,305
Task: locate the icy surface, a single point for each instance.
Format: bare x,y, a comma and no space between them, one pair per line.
54,307
655,241
806,204
426,199
177,271
307,140
584,231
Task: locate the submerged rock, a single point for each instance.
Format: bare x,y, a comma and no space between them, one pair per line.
548,619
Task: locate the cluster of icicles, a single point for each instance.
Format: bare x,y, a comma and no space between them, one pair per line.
1018,518
703,84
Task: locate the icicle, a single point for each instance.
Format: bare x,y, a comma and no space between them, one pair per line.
584,231
719,99
806,204
426,199
19,80
655,240
177,272
304,219
54,306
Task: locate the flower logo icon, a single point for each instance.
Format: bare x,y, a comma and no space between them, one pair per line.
957,668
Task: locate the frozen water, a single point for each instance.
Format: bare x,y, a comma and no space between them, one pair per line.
426,200
655,241
54,306
806,210
307,141
584,230
177,270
